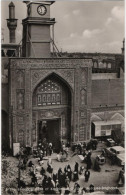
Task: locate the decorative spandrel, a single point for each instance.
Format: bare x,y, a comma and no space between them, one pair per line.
20,79
82,132
20,99
67,75
84,76
83,97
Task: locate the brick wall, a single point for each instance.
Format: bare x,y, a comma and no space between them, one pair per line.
107,92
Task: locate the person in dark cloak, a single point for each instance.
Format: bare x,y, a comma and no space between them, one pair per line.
55,177
50,149
81,169
87,175
80,148
33,180
89,154
91,188
69,172
113,159
69,168
49,169
57,185
76,188
30,164
44,183
59,172
89,163
25,160
76,167
42,171
75,176
68,144
96,166
121,179
65,169
84,145
50,184
103,153
62,179
88,147
67,181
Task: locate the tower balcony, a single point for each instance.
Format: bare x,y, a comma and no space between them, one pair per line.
38,20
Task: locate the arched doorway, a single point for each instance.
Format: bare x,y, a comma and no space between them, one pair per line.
5,131
52,111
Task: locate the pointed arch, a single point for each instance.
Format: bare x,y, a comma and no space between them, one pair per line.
52,100
117,116
61,84
55,75
95,117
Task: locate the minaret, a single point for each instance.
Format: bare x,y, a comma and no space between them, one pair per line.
12,23
123,49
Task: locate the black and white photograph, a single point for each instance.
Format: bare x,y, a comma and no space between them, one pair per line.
62,97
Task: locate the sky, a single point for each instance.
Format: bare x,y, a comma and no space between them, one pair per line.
81,26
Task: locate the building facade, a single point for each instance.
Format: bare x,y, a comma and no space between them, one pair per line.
59,98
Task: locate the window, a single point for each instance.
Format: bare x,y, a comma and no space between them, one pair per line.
103,133
58,98
11,53
101,65
95,65
105,127
39,100
109,65
118,126
49,93
105,65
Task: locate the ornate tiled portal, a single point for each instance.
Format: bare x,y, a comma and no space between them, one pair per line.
48,89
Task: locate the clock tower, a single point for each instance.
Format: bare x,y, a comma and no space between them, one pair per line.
37,29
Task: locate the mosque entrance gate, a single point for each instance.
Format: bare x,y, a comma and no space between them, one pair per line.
26,74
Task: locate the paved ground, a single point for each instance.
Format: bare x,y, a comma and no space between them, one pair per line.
105,179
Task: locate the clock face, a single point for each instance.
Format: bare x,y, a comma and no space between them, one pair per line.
41,9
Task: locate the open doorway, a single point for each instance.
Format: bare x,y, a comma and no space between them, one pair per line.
50,130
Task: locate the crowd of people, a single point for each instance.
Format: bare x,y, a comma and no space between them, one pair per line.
51,181
48,178
81,148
